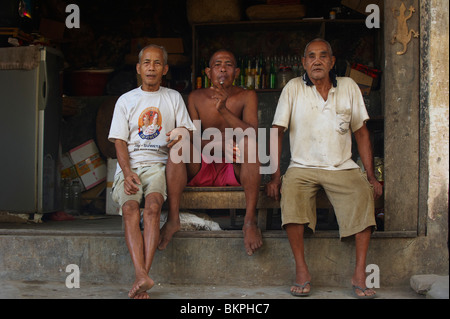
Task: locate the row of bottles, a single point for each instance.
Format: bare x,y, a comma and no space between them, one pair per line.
259,73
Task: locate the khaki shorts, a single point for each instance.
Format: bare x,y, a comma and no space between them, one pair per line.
349,192
153,180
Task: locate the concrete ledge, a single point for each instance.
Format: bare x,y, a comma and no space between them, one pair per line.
43,251
218,260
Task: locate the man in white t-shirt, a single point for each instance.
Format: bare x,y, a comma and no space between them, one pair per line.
142,151
321,112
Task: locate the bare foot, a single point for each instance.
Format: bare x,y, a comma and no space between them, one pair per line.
360,289
301,289
167,232
302,279
140,286
252,238
142,295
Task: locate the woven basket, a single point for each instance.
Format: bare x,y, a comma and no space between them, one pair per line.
275,12
203,11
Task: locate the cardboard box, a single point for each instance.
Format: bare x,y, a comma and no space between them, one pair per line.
89,165
172,45
363,80
68,170
112,208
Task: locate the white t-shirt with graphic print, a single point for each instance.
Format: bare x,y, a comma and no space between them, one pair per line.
133,118
319,130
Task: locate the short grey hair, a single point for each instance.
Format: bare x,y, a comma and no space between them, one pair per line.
163,49
319,40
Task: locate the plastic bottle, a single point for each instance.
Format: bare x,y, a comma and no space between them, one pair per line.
76,197
284,75
332,14
66,195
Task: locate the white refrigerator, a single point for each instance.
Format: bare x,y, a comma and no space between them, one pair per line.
30,120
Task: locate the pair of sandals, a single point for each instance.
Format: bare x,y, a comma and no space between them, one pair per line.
354,288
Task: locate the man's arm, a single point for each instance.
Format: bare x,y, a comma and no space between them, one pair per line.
249,111
273,187
131,178
193,113
362,137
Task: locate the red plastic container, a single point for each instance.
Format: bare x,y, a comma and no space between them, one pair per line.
89,82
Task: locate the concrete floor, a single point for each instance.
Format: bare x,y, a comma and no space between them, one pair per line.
58,290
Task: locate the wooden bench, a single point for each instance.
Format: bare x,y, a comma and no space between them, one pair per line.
233,198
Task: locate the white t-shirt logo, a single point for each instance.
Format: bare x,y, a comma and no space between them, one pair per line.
150,123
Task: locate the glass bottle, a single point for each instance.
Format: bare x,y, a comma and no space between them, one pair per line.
257,74
250,82
272,76
242,73
264,76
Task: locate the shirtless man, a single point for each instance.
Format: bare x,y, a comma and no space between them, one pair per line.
221,106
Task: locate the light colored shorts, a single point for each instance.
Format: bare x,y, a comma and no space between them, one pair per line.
153,180
349,192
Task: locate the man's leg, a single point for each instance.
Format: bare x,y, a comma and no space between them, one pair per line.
295,235
177,175
151,216
135,243
352,198
250,179
176,181
362,240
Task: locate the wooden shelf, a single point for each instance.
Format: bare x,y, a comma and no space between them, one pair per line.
264,34
265,23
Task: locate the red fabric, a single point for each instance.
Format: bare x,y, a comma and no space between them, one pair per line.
215,174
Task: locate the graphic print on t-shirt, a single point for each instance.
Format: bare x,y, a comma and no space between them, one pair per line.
150,123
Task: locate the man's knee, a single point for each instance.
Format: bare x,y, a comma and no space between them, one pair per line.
152,210
153,204
248,150
130,209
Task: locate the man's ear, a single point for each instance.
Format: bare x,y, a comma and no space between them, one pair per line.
166,69
237,71
138,67
208,72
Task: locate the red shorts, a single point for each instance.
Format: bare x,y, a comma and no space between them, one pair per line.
215,174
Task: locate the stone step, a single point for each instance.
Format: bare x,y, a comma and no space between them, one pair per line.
42,252
18,289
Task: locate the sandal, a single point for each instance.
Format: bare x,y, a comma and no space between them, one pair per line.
363,291
302,294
